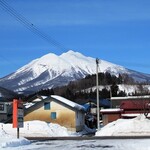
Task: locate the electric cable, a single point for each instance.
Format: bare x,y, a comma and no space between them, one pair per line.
30,26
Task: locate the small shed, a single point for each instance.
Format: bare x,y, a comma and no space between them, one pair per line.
56,109
109,115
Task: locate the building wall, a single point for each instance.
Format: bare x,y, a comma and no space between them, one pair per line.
117,102
3,117
64,116
80,120
3,111
107,118
3,107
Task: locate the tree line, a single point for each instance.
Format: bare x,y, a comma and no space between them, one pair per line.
86,88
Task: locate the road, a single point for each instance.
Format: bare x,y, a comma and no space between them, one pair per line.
87,138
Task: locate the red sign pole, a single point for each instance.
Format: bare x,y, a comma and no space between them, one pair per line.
17,115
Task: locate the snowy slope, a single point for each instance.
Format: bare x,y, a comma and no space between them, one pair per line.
52,71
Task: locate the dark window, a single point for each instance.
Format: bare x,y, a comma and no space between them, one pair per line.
53,115
1,107
47,106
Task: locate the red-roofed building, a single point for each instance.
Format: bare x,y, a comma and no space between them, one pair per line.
127,107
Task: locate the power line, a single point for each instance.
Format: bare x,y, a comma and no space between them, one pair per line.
30,26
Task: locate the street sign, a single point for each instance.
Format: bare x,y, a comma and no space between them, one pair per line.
18,113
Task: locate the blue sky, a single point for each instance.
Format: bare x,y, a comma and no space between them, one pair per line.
117,31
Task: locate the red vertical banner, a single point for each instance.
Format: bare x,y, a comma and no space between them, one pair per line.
15,113
18,113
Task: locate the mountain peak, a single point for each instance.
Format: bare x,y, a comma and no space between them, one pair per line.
72,53
52,70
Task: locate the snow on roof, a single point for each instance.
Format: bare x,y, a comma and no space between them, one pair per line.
132,115
68,102
58,98
129,97
28,105
111,110
39,99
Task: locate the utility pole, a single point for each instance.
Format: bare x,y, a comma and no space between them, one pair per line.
97,92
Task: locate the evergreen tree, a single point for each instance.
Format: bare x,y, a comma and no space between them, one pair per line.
114,89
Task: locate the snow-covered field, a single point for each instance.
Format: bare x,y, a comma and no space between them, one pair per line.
139,126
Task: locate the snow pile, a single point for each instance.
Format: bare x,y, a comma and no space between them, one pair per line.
31,129
57,130
8,140
37,129
139,126
14,142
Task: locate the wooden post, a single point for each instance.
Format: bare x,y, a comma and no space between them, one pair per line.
17,133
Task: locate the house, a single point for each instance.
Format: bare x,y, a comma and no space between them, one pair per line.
5,111
126,107
56,109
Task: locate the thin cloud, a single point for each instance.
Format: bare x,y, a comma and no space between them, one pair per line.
68,13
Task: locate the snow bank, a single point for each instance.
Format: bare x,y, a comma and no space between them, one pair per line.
139,126
12,142
31,129
41,128
8,140
37,129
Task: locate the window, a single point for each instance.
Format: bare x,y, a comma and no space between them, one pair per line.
1,107
53,115
47,106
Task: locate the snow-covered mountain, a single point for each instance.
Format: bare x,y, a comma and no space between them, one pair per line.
52,71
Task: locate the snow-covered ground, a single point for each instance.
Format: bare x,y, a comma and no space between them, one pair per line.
128,144
33,129
139,126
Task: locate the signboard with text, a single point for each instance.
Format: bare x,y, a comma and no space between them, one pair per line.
18,113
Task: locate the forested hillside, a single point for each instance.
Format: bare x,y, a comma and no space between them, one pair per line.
78,89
